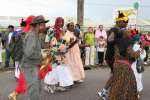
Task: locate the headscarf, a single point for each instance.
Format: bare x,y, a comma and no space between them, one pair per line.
28,22
57,28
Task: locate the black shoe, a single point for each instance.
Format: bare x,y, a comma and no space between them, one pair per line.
87,68
6,66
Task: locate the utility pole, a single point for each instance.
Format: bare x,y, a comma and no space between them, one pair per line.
80,12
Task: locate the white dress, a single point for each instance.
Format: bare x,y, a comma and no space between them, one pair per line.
138,76
59,75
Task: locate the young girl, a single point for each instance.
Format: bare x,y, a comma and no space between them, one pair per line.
100,49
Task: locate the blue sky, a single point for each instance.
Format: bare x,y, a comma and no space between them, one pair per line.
94,9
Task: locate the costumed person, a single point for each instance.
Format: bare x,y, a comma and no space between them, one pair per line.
59,78
137,66
89,40
73,58
18,48
122,83
31,60
59,23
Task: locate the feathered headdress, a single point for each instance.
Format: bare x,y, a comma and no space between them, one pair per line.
123,15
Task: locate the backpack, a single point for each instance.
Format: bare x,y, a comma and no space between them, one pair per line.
18,48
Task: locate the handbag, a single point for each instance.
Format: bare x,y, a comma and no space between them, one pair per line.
139,66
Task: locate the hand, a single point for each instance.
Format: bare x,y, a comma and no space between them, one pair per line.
137,53
62,47
46,45
142,51
111,37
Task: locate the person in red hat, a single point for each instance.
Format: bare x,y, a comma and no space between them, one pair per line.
29,81
18,48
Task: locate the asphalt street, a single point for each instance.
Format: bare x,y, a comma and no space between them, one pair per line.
95,80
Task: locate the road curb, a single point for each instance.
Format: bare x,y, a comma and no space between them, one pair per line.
6,69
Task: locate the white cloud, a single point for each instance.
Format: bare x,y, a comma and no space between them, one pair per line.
36,7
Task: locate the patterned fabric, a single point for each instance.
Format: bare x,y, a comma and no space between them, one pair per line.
123,86
123,83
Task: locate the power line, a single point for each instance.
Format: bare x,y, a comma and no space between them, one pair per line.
113,5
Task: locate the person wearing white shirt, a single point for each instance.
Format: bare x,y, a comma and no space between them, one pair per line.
8,41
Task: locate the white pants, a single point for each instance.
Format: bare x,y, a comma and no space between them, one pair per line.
138,77
17,70
89,55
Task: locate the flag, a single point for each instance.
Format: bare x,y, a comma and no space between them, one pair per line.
22,85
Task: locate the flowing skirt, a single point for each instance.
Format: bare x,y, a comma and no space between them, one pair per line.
74,62
123,86
59,75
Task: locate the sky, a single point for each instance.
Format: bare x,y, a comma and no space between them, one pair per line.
94,9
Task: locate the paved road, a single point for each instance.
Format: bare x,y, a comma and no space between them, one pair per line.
95,80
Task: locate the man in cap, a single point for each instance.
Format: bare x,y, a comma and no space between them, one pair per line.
31,58
18,48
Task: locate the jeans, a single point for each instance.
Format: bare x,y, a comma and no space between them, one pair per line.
7,58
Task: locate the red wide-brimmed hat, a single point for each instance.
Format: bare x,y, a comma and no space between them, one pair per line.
28,22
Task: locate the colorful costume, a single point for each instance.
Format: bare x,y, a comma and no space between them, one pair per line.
123,87
60,75
122,84
29,70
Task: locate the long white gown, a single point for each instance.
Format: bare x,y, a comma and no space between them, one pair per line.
59,75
